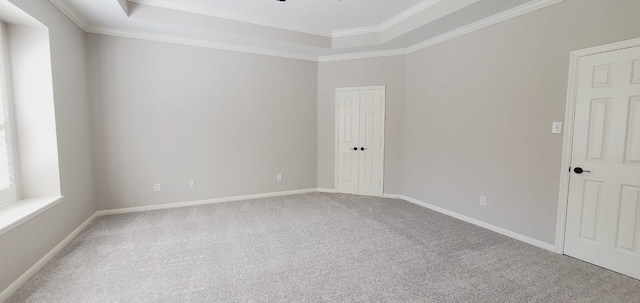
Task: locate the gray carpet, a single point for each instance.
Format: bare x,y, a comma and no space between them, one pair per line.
311,248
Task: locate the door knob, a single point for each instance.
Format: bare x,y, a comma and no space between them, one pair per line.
579,170
355,148
362,148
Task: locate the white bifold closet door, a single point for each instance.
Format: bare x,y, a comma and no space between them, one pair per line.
360,140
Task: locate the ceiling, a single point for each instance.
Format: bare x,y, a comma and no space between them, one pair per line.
303,29
309,16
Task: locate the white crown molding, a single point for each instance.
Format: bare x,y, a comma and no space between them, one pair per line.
70,13
414,10
495,19
75,17
224,15
403,16
373,29
197,42
363,55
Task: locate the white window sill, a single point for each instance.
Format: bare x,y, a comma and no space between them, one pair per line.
16,213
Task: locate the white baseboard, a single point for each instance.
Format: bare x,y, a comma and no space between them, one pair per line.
203,202
473,221
327,190
333,191
36,267
482,224
392,196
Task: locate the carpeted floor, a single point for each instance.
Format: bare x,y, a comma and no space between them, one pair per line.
311,248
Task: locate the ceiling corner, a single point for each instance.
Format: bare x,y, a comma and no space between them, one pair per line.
64,7
124,4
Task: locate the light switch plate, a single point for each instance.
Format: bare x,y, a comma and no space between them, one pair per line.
556,128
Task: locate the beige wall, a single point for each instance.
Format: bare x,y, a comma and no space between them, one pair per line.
24,245
389,71
166,113
479,110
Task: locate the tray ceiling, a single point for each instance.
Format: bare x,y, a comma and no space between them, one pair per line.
302,29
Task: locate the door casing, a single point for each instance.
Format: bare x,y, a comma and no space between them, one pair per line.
336,140
569,119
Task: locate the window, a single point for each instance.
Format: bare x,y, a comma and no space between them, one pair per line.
29,170
7,181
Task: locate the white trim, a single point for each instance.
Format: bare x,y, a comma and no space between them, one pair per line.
482,224
404,16
16,213
392,196
341,33
200,10
64,7
327,190
607,47
563,195
363,55
383,118
336,131
478,25
395,20
500,17
203,202
36,267
197,42
43,261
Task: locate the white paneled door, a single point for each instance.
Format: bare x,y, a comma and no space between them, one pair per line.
603,214
360,135
349,141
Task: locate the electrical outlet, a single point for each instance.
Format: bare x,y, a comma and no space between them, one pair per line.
156,187
279,177
192,183
483,200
